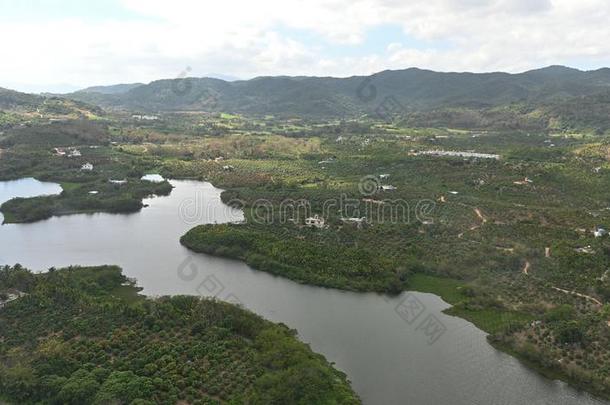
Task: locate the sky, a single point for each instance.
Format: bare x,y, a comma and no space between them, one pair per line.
64,45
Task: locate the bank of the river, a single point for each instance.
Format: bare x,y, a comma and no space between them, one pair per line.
492,322
119,196
387,359
255,248
84,335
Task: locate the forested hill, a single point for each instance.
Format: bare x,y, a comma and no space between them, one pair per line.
10,99
411,89
84,336
114,89
26,109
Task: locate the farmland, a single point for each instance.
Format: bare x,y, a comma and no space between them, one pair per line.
508,241
85,335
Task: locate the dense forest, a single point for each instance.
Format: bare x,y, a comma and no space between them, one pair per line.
551,98
84,335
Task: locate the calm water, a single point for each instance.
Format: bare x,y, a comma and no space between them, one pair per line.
28,187
388,359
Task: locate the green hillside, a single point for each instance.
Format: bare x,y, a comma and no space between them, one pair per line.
395,92
84,335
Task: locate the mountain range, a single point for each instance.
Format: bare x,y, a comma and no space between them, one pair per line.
553,96
410,89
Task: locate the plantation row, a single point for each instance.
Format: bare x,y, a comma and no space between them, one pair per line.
71,340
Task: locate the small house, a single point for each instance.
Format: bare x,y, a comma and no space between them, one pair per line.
586,250
141,117
315,222
525,181
373,201
599,231
357,221
87,167
74,153
387,188
384,176
10,295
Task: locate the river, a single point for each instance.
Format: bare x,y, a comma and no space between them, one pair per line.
387,353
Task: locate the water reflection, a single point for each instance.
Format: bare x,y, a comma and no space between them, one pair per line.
388,360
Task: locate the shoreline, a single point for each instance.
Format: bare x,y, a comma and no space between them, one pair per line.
443,288
439,286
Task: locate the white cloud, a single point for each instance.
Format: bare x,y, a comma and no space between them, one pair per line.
245,39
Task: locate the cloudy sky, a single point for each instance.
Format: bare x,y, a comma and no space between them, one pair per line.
61,45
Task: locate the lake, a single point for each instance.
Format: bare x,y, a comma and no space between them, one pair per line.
389,354
24,188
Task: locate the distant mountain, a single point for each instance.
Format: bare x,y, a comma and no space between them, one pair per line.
10,99
226,78
113,89
24,108
388,91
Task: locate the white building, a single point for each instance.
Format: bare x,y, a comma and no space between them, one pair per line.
119,182
74,153
525,181
598,232
145,117
355,220
11,295
315,222
464,154
586,250
87,166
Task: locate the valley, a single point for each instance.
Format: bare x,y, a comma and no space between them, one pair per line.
506,223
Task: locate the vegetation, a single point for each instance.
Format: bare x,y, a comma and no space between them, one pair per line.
553,98
74,339
310,259
20,109
512,238
108,197
113,184
509,241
